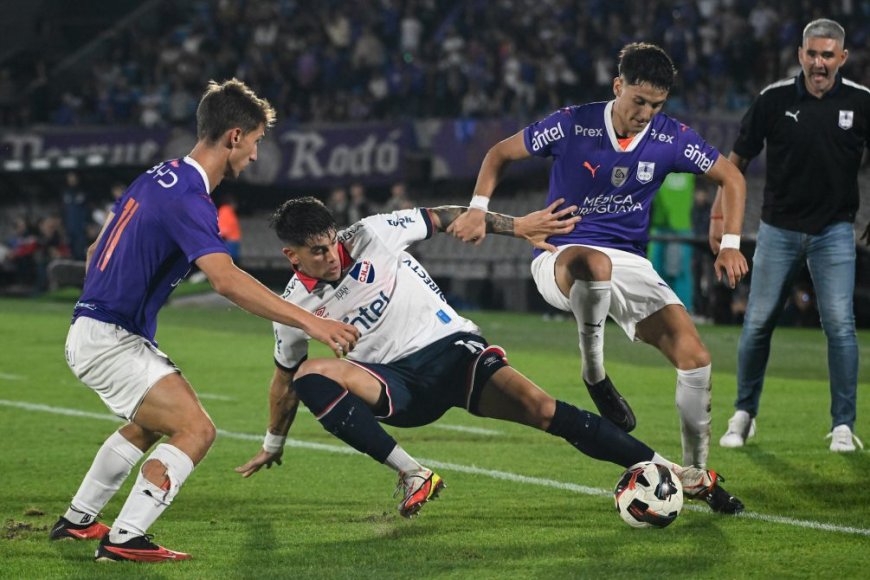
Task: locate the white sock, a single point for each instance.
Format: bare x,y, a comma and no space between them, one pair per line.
659,460
400,461
147,501
590,303
110,468
693,403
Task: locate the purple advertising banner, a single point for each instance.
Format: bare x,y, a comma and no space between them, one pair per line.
373,154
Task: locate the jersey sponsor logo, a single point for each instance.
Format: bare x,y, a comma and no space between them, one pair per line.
846,119
443,316
609,204
588,131
363,271
694,154
618,176
591,169
401,222
424,276
164,175
661,137
350,232
793,115
366,316
542,138
645,171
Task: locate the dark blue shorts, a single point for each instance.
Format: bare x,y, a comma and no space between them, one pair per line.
451,372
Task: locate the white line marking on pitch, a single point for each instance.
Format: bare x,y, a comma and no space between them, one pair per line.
495,474
213,397
11,377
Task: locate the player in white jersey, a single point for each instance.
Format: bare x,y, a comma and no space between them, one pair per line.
416,357
610,159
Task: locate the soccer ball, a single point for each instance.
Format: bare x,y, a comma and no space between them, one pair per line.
648,495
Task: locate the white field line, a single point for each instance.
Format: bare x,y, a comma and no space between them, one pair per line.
214,397
11,377
494,474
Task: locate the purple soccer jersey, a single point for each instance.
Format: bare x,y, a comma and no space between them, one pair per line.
164,221
613,188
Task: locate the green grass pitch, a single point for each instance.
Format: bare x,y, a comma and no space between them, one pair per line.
519,503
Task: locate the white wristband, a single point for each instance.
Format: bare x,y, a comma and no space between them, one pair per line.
731,241
479,202
273,443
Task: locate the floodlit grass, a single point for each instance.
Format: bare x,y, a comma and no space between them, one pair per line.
329,514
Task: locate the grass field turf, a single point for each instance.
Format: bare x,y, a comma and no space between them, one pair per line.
327,513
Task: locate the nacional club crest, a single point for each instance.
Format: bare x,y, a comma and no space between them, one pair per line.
645,170
846,118
363,271
618,176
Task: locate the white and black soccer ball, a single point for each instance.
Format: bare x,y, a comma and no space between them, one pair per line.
648,495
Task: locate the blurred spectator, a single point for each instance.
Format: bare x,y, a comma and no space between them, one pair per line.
76,216
339,205
359,206
398,198
230,229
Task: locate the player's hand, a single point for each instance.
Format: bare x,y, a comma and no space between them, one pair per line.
539,225
262,458
338,336
865,237
731,264
470,226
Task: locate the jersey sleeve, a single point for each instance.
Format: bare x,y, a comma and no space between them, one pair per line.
191,220
750,139
694,155
291,346
399,229
546,138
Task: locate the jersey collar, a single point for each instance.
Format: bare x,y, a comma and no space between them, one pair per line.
311,283
611,133
802,87
192,162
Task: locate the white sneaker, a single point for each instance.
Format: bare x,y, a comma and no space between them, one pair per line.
843,440
740,428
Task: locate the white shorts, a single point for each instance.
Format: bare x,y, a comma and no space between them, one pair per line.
637,291
121,367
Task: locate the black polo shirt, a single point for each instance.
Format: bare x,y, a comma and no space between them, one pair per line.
814,149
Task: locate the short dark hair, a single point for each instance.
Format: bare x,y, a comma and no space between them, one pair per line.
641,62
230,104
301,219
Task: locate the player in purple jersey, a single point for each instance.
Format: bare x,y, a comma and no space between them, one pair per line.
163,223
448,363
609,160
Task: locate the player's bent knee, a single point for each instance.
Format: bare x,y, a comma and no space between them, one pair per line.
315,367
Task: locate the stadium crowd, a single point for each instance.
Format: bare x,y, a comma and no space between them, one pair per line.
353,60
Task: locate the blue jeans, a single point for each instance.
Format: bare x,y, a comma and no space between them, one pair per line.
830,257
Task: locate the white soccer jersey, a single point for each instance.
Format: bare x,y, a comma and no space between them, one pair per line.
385,293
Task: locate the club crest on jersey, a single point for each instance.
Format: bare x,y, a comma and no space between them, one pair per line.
618,176
846,118
363,271
645,170
320,312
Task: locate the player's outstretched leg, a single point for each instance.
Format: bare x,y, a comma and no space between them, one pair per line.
350,419
699,483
